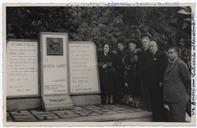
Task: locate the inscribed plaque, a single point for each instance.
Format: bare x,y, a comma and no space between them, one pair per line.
22,68
83,68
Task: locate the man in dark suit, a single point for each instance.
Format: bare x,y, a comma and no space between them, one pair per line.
143,62
156,68
175,86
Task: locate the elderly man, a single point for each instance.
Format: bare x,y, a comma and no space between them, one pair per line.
156,68
176,82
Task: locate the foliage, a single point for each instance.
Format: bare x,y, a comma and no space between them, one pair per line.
166,25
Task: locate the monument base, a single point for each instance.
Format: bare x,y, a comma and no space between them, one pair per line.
35,103
23,104
57,102
83,100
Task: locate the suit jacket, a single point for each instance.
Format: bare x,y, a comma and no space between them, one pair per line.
176,82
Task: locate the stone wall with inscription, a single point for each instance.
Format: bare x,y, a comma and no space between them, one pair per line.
22,65
22,69
83,68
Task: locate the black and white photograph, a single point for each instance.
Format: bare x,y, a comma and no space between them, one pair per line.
99,64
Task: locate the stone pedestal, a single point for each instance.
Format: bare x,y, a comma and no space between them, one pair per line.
54,71
60,102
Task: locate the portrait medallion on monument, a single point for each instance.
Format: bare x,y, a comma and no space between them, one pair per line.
55,46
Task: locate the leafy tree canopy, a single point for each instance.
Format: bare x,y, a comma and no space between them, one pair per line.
167,25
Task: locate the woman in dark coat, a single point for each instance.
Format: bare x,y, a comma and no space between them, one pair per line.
132,80
106,73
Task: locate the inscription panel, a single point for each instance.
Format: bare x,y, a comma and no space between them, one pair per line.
22,68
83,68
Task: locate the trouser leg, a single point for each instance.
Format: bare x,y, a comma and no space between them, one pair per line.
156,103
145,95
178,111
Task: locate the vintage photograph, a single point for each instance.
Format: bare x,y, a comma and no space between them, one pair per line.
114,64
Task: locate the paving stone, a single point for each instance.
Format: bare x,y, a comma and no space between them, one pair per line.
104,111
109,106
130,111
79,108
22,116
93,114
65,114
119,109
46,117
122,111
92,107
83,112
42,115
109,112
39,112
20,113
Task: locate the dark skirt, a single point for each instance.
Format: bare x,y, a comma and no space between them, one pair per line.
133,86
107,82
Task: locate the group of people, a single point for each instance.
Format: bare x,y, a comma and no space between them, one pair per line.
145,77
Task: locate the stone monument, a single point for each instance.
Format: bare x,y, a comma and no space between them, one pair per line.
54,71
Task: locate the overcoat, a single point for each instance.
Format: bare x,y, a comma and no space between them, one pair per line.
156,67
106,74
130,61
120,70
176,82
142,71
